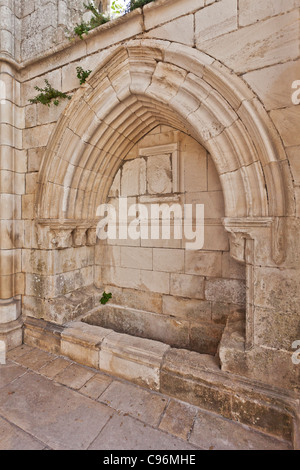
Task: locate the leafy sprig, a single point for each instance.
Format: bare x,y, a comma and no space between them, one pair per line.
96,20
133,4
48,95
105,298
82,75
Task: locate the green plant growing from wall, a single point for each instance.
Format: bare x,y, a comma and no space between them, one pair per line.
96,20
133,4
82,75
105,298
81,29
48,95
118,8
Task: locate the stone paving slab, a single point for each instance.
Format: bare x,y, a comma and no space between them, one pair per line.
179,419
94,387
54,367
49,402
9,372
222,434
124,432
74,376
137,402
58,416
13,438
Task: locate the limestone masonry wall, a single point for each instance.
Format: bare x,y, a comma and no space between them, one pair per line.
234,64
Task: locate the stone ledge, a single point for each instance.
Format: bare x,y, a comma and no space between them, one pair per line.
12,333
82,343
189,376
135,359
43,335
198,381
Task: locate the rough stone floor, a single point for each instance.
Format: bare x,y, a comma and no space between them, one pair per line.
49,402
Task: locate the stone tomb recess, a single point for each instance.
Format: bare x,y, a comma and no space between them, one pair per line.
161,290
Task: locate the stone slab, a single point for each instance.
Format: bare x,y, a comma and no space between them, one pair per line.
9,372
41,334
179,419
134,359
196,379
54,367
60,417
81,342
13,438
34,359
212,432
130,434
74,376
95,387
137,402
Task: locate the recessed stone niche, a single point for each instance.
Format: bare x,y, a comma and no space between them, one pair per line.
161,290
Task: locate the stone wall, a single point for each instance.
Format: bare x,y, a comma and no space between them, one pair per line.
198,287
245,55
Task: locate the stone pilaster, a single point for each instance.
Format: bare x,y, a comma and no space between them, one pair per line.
12,182
259,345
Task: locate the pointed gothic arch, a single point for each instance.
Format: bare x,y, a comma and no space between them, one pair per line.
145,83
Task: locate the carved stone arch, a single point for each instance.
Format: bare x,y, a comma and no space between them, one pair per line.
146,83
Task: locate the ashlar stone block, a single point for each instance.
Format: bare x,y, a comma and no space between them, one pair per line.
81,342
135,359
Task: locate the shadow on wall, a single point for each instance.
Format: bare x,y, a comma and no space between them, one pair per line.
161,290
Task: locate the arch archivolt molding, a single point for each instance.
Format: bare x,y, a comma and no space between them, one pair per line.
143,84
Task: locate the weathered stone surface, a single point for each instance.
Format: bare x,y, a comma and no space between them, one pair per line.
182,28
274,84
205,337
187,285
169,78
194,379
216,20
41,334
142,324
179,427
45,398
94,387
81,343
137,402
190,309
286,122
159,174
134,359
238,437
256,45
13,438
250,12
163,13
74,376
142,437
225,291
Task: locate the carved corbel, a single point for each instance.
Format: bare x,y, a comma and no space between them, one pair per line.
237,246
241,229
79,236
43,235
91,236
62,238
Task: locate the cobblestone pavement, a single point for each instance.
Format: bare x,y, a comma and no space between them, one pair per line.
49,402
